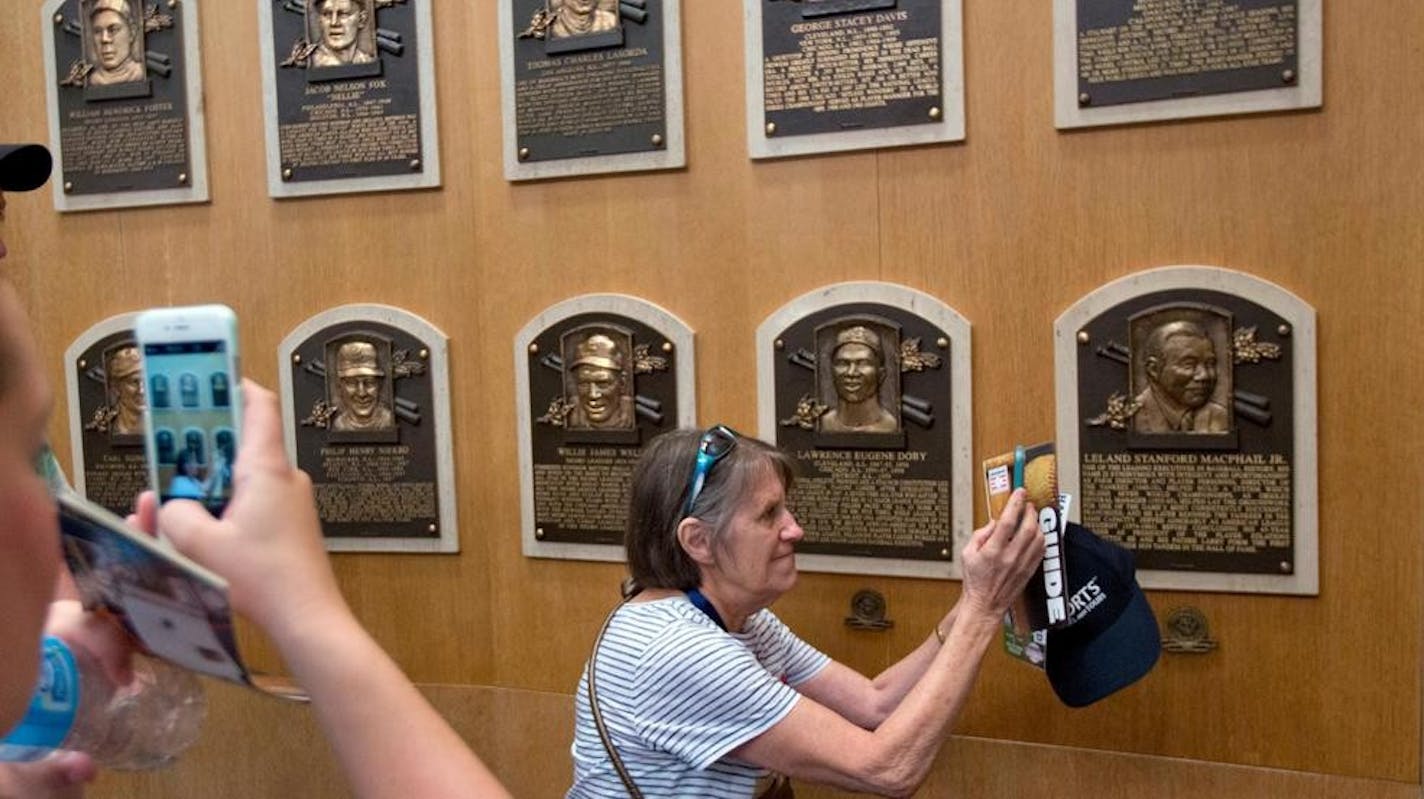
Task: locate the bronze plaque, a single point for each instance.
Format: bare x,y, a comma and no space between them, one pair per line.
1133,51
1186,431
368,422
351,96
590,86
862,401
830,66
125,102
588,77
107,396
600,386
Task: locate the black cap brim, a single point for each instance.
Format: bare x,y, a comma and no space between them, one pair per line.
24,167
1084,671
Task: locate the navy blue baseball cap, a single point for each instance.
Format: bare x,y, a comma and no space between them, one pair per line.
24,167
1111,640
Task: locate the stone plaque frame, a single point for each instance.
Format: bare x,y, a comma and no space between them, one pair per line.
670,153
1304,576
178,81
684,372
81,414
375,83
437,364
1303,92
949,127
960,423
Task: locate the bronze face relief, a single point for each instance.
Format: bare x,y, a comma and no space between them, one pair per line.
1179,366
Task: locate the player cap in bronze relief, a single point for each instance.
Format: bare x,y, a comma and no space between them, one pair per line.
859,334
358,359
598,350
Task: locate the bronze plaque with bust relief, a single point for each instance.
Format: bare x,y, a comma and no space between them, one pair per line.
589,77
350,96
124,87
368,419
590,86
600,386
862,391
1186,445
107,394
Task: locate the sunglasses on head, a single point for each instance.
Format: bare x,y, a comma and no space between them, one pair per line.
712,447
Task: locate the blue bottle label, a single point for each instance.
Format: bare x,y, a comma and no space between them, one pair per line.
52,710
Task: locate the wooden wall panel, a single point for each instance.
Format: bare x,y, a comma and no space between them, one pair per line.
1008,228
255,747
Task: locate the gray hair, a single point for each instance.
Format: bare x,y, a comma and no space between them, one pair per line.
661,482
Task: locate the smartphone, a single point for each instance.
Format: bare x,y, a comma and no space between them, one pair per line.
194,410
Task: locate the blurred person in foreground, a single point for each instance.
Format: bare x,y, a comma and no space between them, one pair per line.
267,545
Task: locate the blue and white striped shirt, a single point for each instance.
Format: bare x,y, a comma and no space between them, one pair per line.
678,693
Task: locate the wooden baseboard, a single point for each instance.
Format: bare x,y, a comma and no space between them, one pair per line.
255,747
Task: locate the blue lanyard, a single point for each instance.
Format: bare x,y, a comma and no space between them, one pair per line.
703,604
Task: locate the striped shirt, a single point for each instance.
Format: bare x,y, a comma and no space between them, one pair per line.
678,693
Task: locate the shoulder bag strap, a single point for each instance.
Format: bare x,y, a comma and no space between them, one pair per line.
598,715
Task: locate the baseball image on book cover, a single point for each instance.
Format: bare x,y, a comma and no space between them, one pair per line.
1043,604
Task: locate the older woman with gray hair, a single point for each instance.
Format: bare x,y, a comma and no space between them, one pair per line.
695,688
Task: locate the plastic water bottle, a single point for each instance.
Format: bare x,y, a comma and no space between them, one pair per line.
143,725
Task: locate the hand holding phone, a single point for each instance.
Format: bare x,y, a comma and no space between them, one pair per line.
194,413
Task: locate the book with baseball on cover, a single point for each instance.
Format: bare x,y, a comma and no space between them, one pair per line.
1043,604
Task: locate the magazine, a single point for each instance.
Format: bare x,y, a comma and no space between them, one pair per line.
175,609
1043,604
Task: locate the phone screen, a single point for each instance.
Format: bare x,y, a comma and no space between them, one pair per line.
190,397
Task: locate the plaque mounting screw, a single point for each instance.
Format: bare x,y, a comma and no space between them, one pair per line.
68,187
1083,337
182,178
1288,76
296,357
944,553
1284,330
83,364
1085,99
523,153
781,345
414,164
287,173
667,346
657,139
539,533
771,128
1285,567
59,19
172,3
942,343
533,349
424,354
434,528
935,113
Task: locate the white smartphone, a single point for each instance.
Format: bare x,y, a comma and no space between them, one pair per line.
194,410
